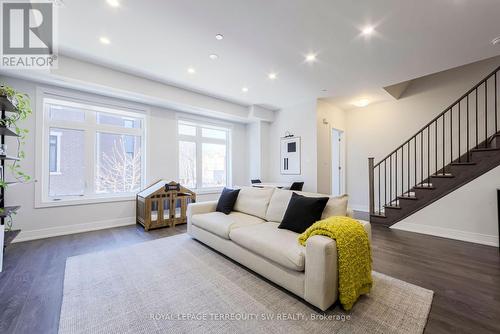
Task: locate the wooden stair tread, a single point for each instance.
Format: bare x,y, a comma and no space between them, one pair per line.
463,163
395,207
413,198
485,149
443,175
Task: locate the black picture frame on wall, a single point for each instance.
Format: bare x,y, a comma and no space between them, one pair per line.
290,155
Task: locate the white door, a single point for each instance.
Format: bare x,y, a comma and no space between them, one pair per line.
337,162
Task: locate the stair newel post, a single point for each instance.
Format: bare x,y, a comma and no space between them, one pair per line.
371,182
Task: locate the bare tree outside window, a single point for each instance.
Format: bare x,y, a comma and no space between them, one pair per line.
119,170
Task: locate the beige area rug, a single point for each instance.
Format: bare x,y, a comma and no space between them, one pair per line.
178,285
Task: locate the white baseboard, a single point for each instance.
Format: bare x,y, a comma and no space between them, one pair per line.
484,239
356,207
70,229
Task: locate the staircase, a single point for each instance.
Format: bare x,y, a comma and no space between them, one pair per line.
459,145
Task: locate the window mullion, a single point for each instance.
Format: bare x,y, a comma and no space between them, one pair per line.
199,162
90,153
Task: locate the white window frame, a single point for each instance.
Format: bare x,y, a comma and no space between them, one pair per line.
58,136
199,140
90,104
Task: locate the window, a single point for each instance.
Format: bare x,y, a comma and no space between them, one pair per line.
90,151
203,155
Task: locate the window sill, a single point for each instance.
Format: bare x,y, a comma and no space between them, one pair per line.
84,201
208,191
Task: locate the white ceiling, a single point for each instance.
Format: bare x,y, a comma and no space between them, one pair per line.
161,39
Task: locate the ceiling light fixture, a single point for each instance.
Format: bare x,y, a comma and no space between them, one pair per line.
368,30
495,40
213,56
219,37
104,40
272,76
361,103
310,58
113,3
244,89
191,70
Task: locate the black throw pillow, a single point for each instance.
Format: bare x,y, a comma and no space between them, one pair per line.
302,212
227,200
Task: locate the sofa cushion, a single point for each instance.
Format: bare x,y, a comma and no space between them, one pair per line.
336,205
302,212
254,201
227,200
221,224
266,240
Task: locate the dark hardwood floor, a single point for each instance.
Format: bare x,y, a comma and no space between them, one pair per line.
465,277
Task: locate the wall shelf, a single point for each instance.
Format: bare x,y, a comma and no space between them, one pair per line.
4,131
6,104
7,157
8,210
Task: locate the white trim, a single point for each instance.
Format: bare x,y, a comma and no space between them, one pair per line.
58,135
357,207
78,200
484,239
70,229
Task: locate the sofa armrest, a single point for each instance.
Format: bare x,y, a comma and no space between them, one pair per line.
321,278
321,269
199,208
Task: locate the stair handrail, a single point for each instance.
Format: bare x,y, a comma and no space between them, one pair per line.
440,115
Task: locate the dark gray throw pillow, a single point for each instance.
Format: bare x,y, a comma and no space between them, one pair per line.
302,212
227,200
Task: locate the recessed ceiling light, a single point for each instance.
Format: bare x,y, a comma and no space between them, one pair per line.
213,56
495,40
113,3
191,70
368,30
244,89
272,76
104,40
310,58
219,37
361,103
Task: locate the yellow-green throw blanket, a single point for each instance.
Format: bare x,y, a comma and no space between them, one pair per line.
354,255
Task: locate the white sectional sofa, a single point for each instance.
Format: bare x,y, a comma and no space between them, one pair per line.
250,236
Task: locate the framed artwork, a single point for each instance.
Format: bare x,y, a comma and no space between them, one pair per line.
290,156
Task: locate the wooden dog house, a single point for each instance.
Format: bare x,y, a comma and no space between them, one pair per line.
163,204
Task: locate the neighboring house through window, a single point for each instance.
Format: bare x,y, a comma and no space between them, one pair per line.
90,150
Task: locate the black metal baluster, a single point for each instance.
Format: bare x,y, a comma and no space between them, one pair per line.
379,206
408,184
428,154
496,105
451,135
422,157
396,174
486,113
477,122
385,181
436,144
468,125
415,157
402,170
390,179
444,148
459,131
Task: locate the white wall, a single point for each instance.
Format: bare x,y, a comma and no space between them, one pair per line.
162,163
374,131
469,213
335,119
299,120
